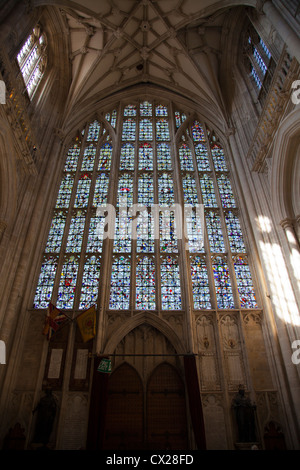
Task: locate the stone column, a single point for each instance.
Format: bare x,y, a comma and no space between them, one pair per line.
283,28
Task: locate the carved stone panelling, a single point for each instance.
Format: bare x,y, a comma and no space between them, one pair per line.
232,351
215,428
207,351
75,423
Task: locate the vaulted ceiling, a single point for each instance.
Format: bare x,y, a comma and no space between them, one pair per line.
176,44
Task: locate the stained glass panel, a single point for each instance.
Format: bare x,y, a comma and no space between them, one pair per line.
207,190
195,230
145,129
244,283
123,230
93,131
170,283
129,127
234,231
130,110
105,157
163,157
226,193
202,157
101,189
162,129
120,283
145,157
179,118
95,234
145,189
222,283
218,158
127,157
197,132
125,190
90,282
75,235
88,158
67,285
186,159
190,195
165,190
146,109
83,191
65,192
167,231
72,158
161,110
45,283
145,232
200,282
56,233
214,232
145,283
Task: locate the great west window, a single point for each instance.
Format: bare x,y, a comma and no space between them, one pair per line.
153,211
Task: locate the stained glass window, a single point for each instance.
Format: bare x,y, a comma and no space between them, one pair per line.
67,285
46,280
225,189
32,60
218,158
200,283
129,127
202,157
145,157
105,157
143,235
197,132
214,232
244,283
93,131
162,129
170,284
208,191
127,157
222,283
164,161
120,283
88,161
145,283
90,282
56,232
186,159
234,231
83,191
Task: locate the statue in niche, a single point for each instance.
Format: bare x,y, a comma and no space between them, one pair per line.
46,411
244,412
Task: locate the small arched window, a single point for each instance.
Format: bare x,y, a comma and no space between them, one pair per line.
259,62
32,60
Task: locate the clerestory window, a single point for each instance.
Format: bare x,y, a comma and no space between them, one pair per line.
32,60
161,208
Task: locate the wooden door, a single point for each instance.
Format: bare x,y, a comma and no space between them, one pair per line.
125,410
166,410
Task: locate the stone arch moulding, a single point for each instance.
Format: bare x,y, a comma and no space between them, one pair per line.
141,319
8,179
284,165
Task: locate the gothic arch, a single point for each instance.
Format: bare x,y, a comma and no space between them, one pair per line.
285,169
141,319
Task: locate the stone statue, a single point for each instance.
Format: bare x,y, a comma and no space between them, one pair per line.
244,412
46,411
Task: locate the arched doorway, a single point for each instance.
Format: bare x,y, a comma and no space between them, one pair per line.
146,416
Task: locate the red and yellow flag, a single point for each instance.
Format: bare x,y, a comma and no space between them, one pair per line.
86,322
53,321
